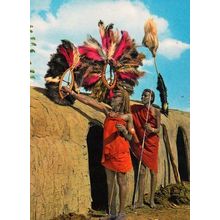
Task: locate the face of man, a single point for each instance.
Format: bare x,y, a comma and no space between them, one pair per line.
146,97
116,100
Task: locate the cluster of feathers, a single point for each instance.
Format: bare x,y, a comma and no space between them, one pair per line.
116,49
150,40
58,64
89,61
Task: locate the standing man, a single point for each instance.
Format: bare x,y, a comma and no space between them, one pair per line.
116,154
146,118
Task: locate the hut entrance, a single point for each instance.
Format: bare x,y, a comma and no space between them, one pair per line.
96,171
183,154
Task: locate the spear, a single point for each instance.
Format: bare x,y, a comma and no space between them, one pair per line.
150,41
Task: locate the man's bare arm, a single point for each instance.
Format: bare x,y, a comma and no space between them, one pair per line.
89,101
128,134
148,126
158,119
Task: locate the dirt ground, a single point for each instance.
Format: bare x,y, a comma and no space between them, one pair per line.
173,203
176,213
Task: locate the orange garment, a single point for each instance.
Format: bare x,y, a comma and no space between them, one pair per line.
151,144
116,154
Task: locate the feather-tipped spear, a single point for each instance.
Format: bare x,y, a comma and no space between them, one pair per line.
150,41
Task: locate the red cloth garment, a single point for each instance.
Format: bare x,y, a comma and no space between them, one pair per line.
116,155
151,144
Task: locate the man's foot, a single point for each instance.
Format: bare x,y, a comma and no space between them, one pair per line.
152,205
108,217
138,205
121,216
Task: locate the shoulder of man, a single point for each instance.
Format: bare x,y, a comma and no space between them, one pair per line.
157,110
156,106
135,106
127,117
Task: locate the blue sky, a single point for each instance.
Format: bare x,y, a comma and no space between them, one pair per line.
54,20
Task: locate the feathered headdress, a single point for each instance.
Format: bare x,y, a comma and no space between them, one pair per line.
116,55
66,56
150,41
117,52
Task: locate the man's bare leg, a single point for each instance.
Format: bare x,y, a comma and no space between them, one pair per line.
141,185
123,189
112,191
153,188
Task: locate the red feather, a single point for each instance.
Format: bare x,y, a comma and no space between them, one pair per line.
67,53
105,42
90,53
110,94
88,81
124,43
107,38
127,75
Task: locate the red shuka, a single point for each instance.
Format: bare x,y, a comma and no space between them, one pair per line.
151,144
116,154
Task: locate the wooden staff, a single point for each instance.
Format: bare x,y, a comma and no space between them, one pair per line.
142,150
168,148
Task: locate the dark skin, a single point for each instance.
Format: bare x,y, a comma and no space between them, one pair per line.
114,109
146,99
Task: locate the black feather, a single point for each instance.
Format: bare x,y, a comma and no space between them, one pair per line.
163,94
57,65
109,26
67,44
100,22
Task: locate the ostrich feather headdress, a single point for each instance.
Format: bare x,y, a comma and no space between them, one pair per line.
116,50
66,56
116,53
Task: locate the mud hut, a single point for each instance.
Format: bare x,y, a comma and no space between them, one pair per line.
66,145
